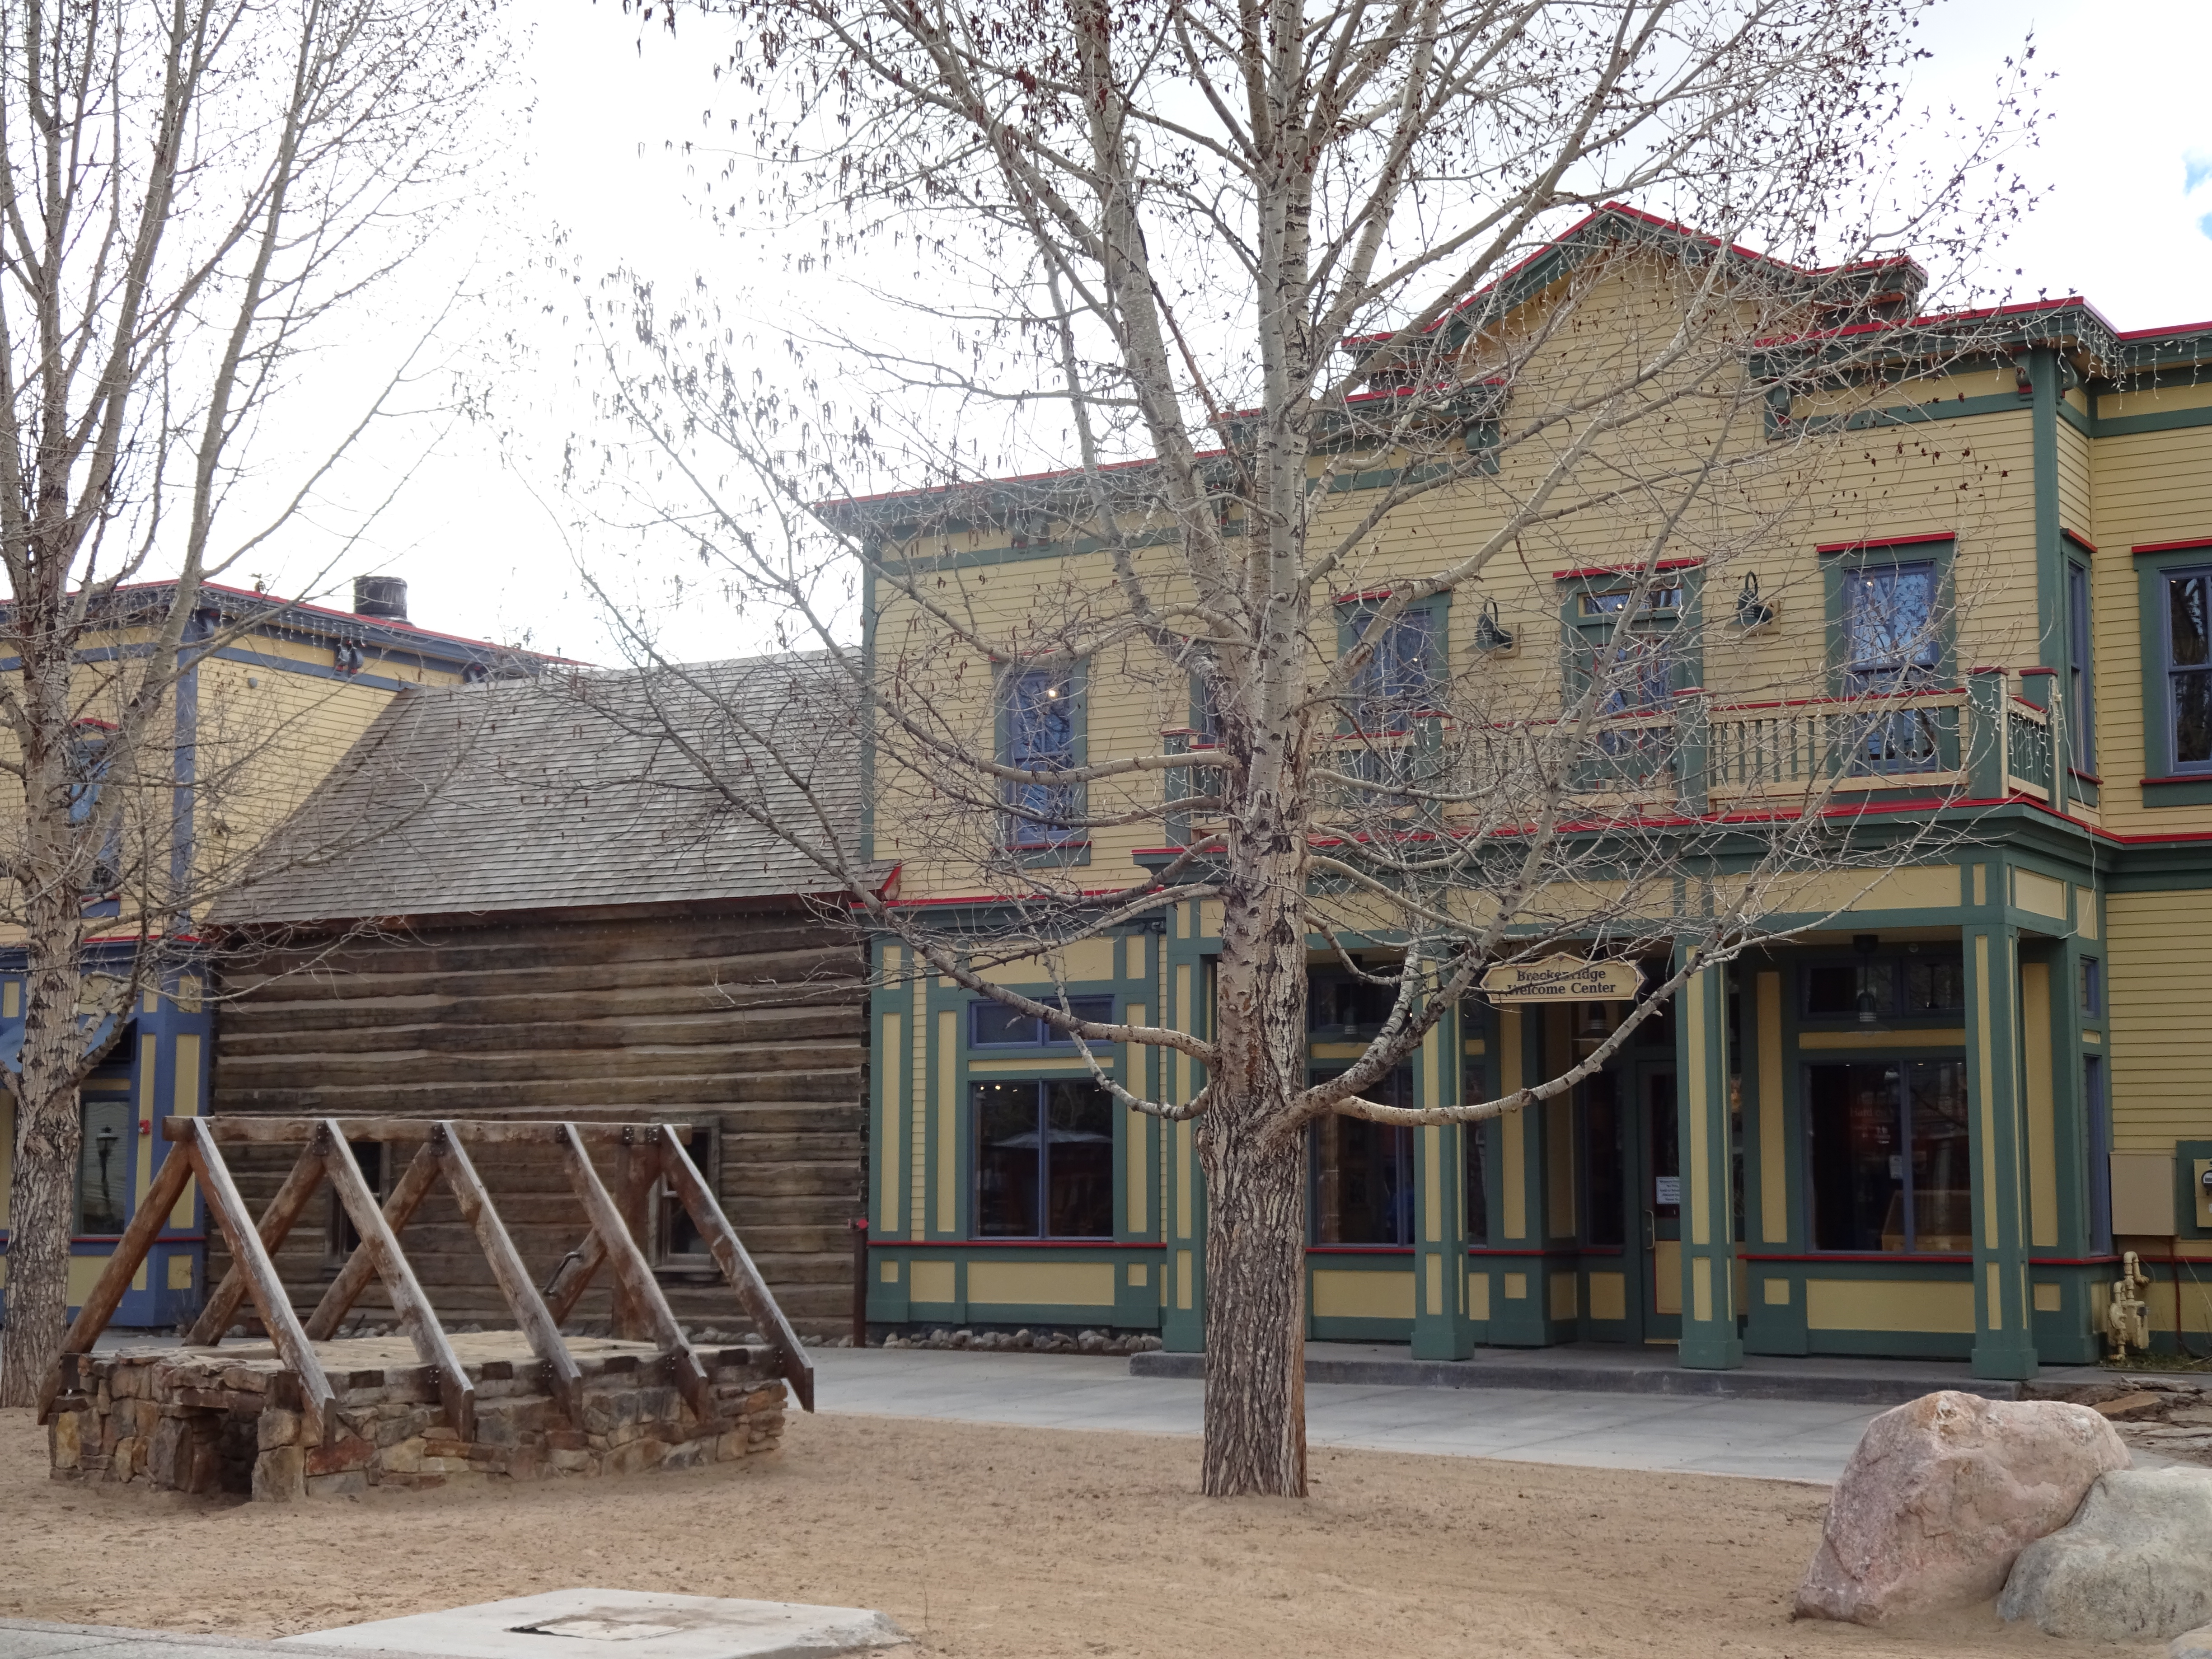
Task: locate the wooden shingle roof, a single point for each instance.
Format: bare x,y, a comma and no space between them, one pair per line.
575,790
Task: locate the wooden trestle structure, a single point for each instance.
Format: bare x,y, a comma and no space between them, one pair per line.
645,1154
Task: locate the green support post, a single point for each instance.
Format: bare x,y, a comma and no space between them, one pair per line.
1518,1318
1710,1341
2004,1338
1440,1327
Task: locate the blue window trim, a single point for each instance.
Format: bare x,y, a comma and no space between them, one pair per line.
1097,1008
2166,783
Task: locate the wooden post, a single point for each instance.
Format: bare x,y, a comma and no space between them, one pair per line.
531,1315
317,1401
146,1224
415,1184
634,1274
636,1172
738,1266
277,1223
455,1391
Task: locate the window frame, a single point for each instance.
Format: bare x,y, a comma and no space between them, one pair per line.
1638,756
1907,1188
1351,618
1397,1090
2082,665
339,1236
1838,563
2163,783
114,1094
1042,1107
2197,569
1065,844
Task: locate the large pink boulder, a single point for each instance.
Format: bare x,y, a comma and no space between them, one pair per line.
1941,1494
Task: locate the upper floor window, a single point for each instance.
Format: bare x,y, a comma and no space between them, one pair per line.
1892,644
2188,667
1398,679
2081,688
1040,721
993,1025
1635,671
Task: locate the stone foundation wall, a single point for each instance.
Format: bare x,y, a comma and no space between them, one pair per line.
188,1421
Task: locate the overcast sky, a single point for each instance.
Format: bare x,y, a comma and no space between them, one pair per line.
597,162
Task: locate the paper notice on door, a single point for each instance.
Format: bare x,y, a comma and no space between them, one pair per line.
1667,1189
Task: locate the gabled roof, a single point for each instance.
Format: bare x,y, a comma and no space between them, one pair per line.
563,793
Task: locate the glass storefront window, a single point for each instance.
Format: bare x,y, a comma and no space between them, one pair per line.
1889,1157
103,1167
1362,1173
1044,1160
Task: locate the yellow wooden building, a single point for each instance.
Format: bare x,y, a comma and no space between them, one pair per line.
1926,1127
272,696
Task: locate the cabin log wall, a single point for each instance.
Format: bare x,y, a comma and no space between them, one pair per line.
746,1025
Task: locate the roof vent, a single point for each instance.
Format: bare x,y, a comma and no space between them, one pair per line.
380,596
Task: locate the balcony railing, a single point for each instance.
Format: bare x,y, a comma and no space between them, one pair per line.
1981,741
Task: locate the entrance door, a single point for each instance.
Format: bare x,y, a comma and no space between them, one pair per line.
1659,1199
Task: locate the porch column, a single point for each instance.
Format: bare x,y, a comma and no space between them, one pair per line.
2004,1338
1441,1327
1710,1340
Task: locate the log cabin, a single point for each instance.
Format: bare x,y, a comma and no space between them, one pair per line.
552,920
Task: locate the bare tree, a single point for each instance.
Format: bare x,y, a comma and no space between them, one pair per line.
1335,324
190,193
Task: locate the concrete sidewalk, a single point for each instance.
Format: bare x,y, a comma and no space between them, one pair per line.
1773,1439
35,1639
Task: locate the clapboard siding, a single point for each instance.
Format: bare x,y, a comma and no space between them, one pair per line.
748,1026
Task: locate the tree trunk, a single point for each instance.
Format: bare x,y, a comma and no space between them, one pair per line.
42,1189
1254,1158
1256,1308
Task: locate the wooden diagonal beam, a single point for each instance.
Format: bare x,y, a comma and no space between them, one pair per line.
532,1317
100,1304
415,1184
573,1277
637,1169
277,1223
317,1403
417,1318
698,1200
634,1274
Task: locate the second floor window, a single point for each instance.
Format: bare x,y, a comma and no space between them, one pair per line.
995,1025
1398,679
1893,644
1040,719
2082,700
2189,668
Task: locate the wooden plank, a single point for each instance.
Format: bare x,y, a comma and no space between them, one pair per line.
277,1221
634,1274
414,1185
318,1404
417,1318
532,1317
123,1263
691,1191
231,1130
573,1277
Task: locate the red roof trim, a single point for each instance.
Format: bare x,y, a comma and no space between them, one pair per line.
1635,569
2141,548
1920,538
2079,540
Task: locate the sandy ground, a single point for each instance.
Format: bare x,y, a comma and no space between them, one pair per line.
1024,1543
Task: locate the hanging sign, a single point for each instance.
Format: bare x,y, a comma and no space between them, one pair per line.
1562,978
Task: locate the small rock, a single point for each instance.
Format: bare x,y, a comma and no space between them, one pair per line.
2192,1645
1022,1338
2135,1562
1091,1342
1941,1496
2138,1404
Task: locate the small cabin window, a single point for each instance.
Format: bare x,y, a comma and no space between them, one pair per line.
104,1161
341,1237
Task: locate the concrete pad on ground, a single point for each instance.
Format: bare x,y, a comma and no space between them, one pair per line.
1766,1439
614,1624
38,1638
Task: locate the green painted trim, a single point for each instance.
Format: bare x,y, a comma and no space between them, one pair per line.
2185,1153
2192,791
2163,420
2084,424
1940,409
1701,1048
2004,1343
1942,555
2050,548
867,848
